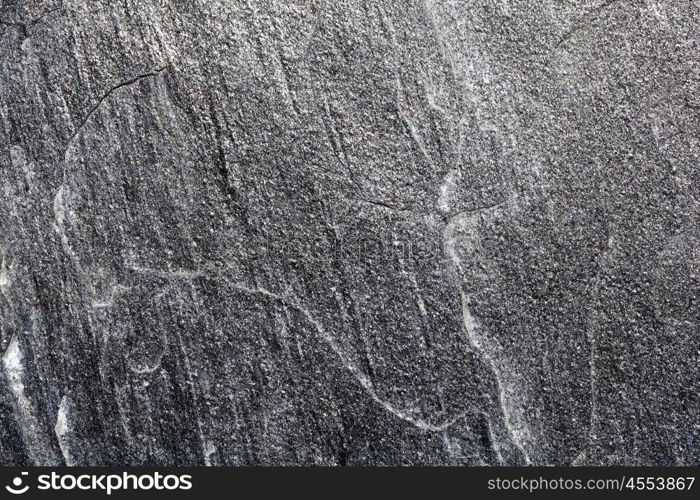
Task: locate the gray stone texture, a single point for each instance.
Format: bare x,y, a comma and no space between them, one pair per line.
352,232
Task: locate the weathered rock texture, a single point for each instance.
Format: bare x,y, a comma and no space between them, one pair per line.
349,232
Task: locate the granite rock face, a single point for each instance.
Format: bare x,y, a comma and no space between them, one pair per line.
349,232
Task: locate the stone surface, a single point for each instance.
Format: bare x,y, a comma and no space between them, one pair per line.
349,232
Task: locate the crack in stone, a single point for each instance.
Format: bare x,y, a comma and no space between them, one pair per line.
359,375
335,139
580,24
59,207
106,96
387,206
32,22
470,325
363,379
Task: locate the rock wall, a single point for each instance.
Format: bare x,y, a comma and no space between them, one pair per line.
349,232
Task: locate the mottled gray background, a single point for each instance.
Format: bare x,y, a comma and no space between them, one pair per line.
349,232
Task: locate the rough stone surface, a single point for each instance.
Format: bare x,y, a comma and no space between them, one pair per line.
349,232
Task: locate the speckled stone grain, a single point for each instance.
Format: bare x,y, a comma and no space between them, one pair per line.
349,232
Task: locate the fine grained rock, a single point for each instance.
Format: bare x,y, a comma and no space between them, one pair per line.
349,232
